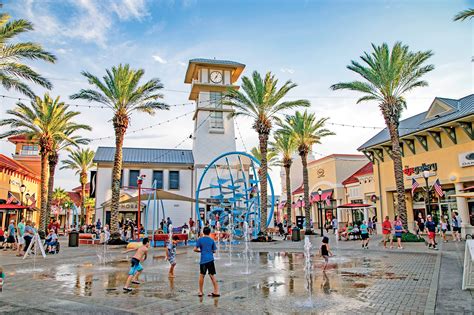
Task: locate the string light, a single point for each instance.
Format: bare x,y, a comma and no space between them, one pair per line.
240,134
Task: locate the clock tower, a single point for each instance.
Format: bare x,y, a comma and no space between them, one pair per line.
214,132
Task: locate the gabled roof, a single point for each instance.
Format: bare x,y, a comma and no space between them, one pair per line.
364,170
298,190
146,156
190,72
461,108
336,156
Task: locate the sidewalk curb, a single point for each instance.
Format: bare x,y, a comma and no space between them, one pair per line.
431,300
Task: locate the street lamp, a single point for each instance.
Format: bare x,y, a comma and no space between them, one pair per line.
139,184
320,208
426,175
278,210
22,191
301,205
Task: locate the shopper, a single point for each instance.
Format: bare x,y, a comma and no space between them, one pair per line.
444,227
387,232
399,230
456,224
430,227
364,234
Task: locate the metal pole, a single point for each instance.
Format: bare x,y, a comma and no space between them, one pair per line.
428,201
321,220
139,182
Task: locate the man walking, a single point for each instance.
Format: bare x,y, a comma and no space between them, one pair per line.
207,247
387,232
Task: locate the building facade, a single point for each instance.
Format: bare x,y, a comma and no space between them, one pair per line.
20,178
327,174
439,140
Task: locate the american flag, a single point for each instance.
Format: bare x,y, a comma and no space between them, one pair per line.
33,201
10,198
437,188
328,201
414,185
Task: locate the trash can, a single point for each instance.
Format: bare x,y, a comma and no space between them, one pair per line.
73,239
295,234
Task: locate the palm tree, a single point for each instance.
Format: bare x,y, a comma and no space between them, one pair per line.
285,145
12,71
89,203
306,131
388,75
120,91
463,15
261,100
45,121
272,157
60,196
81,161
53,159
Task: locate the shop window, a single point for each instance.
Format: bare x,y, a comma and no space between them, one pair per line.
158,177
132,178
174,180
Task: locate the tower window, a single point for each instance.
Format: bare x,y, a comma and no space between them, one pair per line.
29,149
217,117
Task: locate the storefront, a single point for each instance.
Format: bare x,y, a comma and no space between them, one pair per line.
438,158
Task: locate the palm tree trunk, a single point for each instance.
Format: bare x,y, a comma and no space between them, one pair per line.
398,170
83,178
53,162
116,175
307,205
288,192
263,170
44,191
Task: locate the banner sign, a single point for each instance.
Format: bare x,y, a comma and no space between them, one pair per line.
466,159
417,171
93,184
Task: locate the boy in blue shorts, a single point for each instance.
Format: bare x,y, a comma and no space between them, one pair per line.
136,266
207,247
171,254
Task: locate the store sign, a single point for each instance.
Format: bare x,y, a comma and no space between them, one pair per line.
128,207
466,159
15,183
417,171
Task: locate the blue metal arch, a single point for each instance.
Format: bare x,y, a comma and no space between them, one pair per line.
252,158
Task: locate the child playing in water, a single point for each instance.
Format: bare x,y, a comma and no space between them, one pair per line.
171,254
325,251
136,266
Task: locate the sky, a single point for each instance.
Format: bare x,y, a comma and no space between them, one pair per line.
308,42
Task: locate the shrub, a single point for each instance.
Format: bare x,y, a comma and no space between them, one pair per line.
410,237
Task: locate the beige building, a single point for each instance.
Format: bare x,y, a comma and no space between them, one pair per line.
327,174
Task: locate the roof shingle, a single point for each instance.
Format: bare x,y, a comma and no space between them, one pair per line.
146,155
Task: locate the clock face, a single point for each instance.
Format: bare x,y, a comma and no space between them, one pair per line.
216,77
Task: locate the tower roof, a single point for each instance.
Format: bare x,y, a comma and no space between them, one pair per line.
195,63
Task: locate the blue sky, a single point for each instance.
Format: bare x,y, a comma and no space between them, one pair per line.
309,42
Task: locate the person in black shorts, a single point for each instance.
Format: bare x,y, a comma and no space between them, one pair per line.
207,247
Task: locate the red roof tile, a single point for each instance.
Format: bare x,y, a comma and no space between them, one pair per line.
79,188
298,190
366,169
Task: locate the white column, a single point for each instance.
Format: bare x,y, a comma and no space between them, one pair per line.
462,209
366,214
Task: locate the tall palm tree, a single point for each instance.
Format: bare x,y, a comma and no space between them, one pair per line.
89,203
53,158
12,70
81,161
261,100
388,75
272,157
120,91
285,145
44,120
463,15
60,196
306,131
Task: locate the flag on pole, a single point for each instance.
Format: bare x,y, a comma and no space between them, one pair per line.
414,185
33,201
437,187
328,201
10,198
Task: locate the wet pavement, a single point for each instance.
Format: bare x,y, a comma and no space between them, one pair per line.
272,280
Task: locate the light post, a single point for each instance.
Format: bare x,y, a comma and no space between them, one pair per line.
278,210
301,205
22,191
426,175
66,206
320,212
139,184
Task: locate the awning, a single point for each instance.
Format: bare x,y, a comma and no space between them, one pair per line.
326,194
355,205
464,195
468,188
160,195
13,207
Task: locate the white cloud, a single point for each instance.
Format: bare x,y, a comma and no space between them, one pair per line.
183,64
159,59
287,70
130,9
